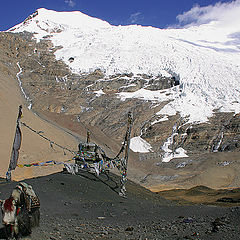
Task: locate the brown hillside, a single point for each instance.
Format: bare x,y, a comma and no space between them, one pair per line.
34,148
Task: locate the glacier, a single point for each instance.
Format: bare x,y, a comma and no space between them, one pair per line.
206,58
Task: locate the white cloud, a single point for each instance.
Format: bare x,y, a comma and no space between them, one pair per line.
70,3
135,17
226,13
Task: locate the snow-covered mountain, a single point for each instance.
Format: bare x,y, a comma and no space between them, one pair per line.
205,58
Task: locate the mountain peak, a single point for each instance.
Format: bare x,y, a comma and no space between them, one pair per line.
43,19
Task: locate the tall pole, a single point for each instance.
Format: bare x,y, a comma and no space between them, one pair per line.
126,154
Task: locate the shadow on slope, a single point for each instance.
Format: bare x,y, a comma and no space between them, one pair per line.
63,193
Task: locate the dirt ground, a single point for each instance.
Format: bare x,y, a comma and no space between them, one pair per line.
86,207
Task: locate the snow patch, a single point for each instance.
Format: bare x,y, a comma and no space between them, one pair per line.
164,118
169,154
99,93
30,106
167,110
164,73
179,153
149,95
137,144
21,87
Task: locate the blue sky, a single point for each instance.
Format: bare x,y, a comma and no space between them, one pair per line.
157,13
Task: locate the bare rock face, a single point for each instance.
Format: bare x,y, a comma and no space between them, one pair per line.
220,134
